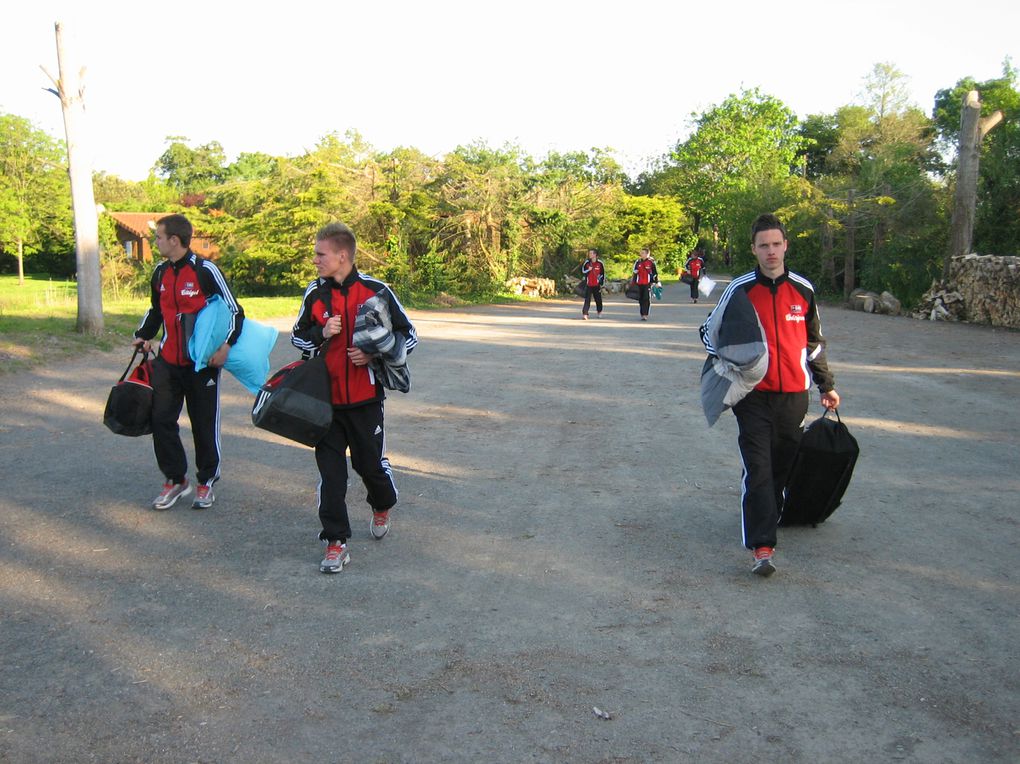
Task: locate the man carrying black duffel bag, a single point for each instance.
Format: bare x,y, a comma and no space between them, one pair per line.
179,288
770,416
329,311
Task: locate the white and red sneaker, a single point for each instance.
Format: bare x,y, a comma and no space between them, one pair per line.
170,494
336,557
380,523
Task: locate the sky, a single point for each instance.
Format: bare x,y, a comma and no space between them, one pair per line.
545,76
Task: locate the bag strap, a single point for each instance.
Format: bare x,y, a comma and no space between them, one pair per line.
832,411
145,357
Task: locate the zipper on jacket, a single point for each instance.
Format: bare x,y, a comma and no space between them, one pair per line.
180,322
346,358
775,326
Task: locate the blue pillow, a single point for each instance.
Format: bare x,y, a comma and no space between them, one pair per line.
249,357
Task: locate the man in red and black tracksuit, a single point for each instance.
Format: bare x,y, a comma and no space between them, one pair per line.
770,417
645,275
180,286
594,273
695,264
326,324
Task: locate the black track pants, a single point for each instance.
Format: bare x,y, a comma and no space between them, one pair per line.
770,427
172,386
646,299
361,429
590,292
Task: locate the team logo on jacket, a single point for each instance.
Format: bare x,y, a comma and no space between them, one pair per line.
796,313
189,289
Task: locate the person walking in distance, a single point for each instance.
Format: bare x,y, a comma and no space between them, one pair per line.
645,275
770,416
326,324
695,264
593,271
179,288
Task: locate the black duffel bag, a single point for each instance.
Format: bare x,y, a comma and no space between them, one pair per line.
633,291
129,405
581,290
296,402
820,473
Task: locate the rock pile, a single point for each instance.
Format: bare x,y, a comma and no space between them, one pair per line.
531,287
870,302
610,287
981,289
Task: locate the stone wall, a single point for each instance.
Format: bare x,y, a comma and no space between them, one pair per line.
983,289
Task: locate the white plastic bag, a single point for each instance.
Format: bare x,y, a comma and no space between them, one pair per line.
705,286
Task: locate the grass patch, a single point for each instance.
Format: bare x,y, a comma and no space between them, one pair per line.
38,319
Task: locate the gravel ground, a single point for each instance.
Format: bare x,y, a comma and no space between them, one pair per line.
568,538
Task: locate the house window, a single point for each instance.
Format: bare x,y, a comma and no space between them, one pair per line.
129,248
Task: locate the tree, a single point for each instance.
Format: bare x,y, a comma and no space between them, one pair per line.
997,217
191,170
34,190
874,206
83,202
748,140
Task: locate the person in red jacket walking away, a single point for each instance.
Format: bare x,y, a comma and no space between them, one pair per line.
594,273
695,264
328,312
645,275
179,288
770,417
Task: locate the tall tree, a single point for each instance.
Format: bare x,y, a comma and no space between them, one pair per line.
191,170
86,219
34,190
751,139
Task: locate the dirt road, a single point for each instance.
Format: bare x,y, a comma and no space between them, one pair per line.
567,538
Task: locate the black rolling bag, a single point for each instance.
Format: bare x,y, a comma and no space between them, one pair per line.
820,473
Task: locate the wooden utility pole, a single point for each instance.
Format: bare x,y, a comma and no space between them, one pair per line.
972,130
83,200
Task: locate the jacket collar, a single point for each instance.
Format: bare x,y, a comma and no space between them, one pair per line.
189,257
761,278
344,285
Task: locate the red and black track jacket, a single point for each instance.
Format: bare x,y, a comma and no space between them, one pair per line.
788,314
324,297
694,266
594,272
645,272
179,291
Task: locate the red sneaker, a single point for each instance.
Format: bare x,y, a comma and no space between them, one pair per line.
763,565
336,557
380,523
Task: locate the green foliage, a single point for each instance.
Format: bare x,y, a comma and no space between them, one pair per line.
35,198
861,190
191,170
748,141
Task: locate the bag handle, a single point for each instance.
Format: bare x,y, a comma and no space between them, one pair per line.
131,363
832,411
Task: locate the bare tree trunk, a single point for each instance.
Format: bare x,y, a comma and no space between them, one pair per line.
828,265
972,130
83,200
849,269
21,262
